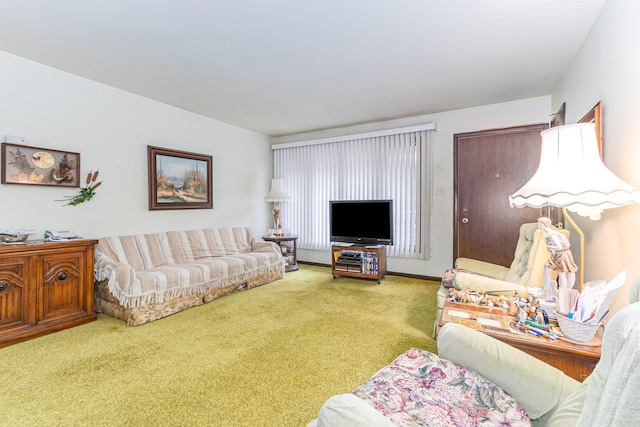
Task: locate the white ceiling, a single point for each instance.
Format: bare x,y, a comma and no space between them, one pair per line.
282,67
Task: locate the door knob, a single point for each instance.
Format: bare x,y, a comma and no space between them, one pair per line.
465,220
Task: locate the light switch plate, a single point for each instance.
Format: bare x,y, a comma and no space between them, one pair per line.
16,139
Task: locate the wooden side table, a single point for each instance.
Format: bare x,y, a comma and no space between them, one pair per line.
289,249
577,361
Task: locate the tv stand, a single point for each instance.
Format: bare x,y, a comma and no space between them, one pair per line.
365,262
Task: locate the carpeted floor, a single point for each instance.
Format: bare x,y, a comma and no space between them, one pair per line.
269,356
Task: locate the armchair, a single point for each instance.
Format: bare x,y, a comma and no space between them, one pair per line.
525,272
608,397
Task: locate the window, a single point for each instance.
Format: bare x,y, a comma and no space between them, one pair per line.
390,164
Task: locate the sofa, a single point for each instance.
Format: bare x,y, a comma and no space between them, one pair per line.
476,379
144,277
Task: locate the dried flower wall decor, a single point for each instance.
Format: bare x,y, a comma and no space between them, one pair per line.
87,192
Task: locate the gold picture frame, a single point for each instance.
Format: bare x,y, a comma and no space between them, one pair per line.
26,165
179,179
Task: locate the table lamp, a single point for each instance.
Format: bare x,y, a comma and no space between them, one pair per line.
275,196
571,176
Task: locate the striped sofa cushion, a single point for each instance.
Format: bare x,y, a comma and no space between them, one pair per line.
193,245
140,251
169,281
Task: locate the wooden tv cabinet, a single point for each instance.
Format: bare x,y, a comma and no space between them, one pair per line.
45,287
372,263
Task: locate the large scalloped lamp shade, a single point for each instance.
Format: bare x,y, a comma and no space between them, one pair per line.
571,175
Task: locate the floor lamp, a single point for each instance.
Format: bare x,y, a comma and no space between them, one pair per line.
571,176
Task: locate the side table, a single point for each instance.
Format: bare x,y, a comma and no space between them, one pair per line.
575,360
289,250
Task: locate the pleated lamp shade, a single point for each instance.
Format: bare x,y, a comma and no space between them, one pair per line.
571,175
277,193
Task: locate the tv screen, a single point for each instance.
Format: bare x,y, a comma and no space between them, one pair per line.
368,222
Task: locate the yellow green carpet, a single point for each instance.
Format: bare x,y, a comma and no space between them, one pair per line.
269,356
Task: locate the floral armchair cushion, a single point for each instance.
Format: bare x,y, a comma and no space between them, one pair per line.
421,389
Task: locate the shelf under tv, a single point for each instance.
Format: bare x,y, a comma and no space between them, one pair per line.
372,264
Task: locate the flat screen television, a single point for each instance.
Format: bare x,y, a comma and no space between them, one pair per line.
367,222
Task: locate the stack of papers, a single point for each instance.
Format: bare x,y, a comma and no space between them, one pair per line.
592,305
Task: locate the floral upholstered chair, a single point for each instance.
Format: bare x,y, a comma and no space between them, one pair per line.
478,380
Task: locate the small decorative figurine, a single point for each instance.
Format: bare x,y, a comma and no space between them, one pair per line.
561,259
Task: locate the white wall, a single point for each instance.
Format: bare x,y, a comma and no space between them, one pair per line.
607,68
111,129
535,110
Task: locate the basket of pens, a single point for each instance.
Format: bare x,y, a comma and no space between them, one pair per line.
576,330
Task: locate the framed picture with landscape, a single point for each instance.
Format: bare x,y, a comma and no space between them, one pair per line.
179,179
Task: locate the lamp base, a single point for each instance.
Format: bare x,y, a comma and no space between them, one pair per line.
276,232
578,230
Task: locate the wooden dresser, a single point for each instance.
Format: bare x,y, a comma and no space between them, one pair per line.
45,287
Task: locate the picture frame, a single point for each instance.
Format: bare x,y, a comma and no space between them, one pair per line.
559,117
27,165
179,179
595,116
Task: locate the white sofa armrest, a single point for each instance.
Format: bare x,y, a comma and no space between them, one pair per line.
481,267
535,385
119,274
349,410
476,282
257,246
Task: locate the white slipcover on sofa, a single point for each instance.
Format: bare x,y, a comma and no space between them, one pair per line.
143,277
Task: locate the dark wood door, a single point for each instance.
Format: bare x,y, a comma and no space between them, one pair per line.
488,167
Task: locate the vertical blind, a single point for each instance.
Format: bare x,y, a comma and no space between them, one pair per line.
393,165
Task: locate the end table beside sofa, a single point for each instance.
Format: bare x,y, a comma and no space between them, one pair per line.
288,247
